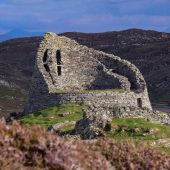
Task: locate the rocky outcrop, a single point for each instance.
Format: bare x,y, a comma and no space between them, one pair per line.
92,125
96,122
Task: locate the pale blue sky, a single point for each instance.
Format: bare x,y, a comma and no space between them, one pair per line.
84,15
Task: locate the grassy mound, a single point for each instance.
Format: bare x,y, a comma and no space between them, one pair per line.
51,115
34,148
138,128
123,128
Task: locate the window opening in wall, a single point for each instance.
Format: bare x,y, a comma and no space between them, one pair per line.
46,66
45,57
58,56
59,70
139,102
59,62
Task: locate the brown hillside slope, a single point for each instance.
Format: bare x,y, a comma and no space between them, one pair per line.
16,65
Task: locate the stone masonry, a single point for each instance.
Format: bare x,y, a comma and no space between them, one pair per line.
66,72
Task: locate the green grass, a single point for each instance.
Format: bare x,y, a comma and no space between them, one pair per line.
87,91
138,129
50,116
67,127
135,129
125,128
165,149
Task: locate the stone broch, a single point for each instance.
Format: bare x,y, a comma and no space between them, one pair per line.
66,72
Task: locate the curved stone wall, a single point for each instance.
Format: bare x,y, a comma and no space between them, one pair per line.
84,68
103,99
62,65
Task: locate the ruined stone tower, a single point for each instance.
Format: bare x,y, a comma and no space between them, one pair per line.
66,72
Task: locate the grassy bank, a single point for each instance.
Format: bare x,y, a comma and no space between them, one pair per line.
51,115
136,129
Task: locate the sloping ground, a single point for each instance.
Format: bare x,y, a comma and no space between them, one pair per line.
16,65
148,50
52,115
136,129
34,148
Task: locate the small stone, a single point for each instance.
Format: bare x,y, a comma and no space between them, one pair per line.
64,114
50,117
137,130
153,130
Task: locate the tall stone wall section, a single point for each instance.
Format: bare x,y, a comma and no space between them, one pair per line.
82,68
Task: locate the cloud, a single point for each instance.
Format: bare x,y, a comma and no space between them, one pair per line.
120,1
23,2
145,6
110,22
84,15
27,2
3,31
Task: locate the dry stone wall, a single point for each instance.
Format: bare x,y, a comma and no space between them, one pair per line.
63,65
102,99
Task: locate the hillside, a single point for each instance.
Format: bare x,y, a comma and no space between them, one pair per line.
18,33
16,64
148,50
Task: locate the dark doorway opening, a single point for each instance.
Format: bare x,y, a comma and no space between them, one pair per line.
59,70
58,56
139,102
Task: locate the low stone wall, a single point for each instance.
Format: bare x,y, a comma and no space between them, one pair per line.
111,103
104,99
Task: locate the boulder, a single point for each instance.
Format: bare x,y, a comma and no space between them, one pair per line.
92,125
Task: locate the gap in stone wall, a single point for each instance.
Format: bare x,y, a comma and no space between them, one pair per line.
139,102
45,57
59,70
58,57
59,62
46,66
